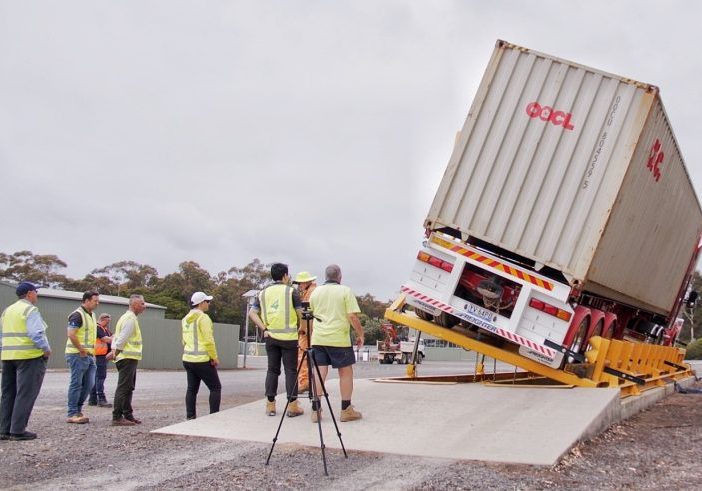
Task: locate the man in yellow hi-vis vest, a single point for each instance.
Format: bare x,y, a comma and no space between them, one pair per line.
25,350
200,355
126,351
280,308
80,355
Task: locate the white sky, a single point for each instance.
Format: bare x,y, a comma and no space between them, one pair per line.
307,132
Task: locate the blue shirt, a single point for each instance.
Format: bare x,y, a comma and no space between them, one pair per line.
36,329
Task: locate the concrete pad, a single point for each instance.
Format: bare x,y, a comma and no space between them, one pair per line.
456,421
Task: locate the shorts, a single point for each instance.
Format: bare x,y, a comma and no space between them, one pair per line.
335,356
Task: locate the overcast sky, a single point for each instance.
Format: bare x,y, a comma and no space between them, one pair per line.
307,132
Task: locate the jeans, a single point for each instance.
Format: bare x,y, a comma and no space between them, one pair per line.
98,392
126,381
82,381
278,350
21,382
202,371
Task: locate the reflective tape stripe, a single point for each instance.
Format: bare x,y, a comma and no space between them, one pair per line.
14,335
284,330
27,311
262,301
19,348
133,353
189,352
135,343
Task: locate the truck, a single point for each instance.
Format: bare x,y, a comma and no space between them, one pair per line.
398,347
565,212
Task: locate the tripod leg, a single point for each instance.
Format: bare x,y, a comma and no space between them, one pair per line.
331,411
314,398
285,410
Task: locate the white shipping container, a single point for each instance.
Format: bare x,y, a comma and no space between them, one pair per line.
576,169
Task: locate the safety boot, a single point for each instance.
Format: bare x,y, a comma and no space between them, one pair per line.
270,408
315,418
294,409
349,414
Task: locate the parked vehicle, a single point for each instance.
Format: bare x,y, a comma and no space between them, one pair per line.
565,212
397,347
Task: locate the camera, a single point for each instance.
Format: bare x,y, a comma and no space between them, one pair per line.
307,314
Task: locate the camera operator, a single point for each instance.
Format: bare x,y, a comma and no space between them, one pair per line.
306,286
280,307
335,308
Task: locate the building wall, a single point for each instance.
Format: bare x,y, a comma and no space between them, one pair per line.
161,337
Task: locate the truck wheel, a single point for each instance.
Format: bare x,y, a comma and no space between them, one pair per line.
403,359
446,320
425,316
420,357
579,340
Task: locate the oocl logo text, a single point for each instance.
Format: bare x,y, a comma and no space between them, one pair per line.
547,113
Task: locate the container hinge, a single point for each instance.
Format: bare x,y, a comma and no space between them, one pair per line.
579,357
625,376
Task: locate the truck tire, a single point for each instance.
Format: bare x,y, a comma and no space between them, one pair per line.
420,357
425,316
579,340
446,320
403,359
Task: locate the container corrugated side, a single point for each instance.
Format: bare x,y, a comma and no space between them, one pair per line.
654,227
539,187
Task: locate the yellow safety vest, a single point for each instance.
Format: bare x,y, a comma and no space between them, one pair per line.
277,312
86,333
16,343
192,335
132,348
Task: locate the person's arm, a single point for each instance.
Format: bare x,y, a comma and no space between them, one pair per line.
124,335
207,338
253,315
36,329
357,327
75,322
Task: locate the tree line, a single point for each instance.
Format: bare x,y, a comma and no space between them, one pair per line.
173,290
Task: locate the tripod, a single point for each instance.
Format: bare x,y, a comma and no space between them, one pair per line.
308,357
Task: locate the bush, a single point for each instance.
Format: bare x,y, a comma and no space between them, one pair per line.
694,350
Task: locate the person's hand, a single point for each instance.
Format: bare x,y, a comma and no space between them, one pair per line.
359,341
83,352
265,333
47,353
110,356
214,362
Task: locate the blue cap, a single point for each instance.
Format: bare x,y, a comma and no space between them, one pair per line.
24,288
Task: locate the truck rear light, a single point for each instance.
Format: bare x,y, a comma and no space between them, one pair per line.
549,309
434,261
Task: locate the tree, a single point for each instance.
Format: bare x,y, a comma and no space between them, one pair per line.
37,268
127,275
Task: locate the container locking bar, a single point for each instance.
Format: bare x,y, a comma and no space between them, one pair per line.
675,365
625,376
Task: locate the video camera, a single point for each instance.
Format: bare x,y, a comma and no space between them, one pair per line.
307,314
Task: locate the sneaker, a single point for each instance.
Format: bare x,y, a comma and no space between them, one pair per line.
27,435
4,436
349,414
270,408
315,418
133,420
294,409
77,419
104,404
123,422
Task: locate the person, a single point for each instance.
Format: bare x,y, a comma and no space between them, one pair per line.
305,287
102,348
126,351
279,305
335,308
80,355
200,355
24,350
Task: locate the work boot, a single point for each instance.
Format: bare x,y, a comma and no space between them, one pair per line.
27,435
315,418
294,409
270,408
92,403
78,419
349,414
123,422
104,404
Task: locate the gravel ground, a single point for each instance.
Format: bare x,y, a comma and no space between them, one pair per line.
659,448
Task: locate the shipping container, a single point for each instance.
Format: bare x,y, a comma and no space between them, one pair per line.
577,170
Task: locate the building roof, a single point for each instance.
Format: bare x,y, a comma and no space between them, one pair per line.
78,296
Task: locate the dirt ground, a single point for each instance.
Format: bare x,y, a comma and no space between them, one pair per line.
659,448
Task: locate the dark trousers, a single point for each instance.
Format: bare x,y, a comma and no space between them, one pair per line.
286,351
126,381
98,391
205,372
21,383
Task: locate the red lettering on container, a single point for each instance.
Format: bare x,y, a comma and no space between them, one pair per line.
655,159
548,114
